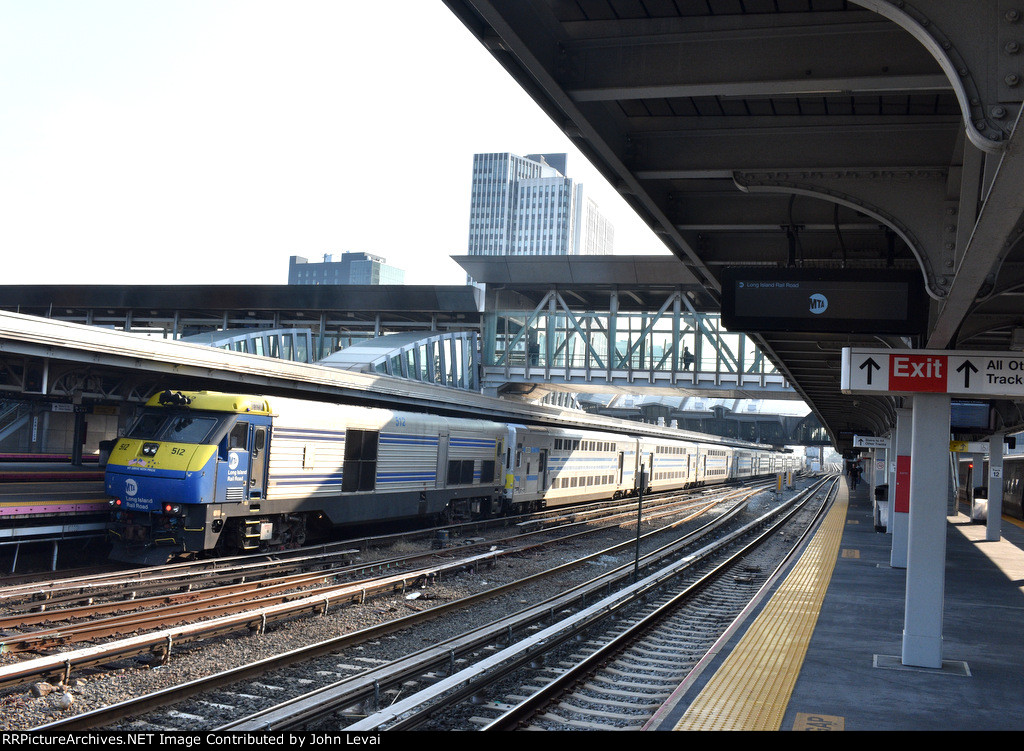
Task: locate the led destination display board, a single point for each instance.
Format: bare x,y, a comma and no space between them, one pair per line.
885,301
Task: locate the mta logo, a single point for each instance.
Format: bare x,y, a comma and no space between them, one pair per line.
819,303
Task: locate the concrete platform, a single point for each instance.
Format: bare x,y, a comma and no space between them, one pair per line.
54,471
849,676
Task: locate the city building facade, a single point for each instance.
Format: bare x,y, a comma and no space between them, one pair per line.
350,268
527,206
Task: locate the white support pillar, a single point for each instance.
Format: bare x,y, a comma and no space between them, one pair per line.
899,489
870,477
880,473
993,525
885,456
890,478
926,535
874,479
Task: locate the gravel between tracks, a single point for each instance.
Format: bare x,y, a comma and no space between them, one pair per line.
20,709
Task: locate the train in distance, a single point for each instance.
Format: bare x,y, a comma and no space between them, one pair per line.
216,473
973,486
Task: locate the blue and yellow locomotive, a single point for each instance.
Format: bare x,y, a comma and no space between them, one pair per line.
205,471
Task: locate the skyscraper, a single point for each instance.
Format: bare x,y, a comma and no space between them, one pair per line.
527,206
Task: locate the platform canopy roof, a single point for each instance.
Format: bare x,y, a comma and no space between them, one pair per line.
818,134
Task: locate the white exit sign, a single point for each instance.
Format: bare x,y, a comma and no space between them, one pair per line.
968,374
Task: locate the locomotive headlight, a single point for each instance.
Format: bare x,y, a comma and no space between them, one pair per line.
149,449
173,509
115,502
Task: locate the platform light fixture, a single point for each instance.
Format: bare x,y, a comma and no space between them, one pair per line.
1017,339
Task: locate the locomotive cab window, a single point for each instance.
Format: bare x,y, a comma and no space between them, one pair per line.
179,427
190,429
147,425
238,438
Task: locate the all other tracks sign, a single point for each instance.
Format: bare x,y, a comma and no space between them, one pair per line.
979,375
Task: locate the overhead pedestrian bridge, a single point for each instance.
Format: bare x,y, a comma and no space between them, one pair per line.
540,326
611,324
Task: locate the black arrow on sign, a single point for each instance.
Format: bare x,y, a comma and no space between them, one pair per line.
871,365
967,368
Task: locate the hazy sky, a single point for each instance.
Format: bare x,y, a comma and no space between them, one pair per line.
206,141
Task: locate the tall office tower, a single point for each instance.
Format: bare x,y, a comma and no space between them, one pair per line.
527,206
351,268
596,234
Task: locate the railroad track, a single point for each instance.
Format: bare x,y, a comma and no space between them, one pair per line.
326,672
250,605
620,680
42,594
459,700
194,587
619,685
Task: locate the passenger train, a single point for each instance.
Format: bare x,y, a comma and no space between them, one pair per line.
212,472
972,487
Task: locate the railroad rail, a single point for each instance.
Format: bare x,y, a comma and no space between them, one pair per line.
105,716
197,614
710,563
656,650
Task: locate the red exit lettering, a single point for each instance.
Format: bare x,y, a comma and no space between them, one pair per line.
917,373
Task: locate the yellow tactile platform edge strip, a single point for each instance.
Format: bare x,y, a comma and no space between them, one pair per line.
751,690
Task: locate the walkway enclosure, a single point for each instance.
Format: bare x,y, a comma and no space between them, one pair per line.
673,347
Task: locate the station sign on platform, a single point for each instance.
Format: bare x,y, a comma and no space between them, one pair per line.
968,447
977,375
870,442
823,300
